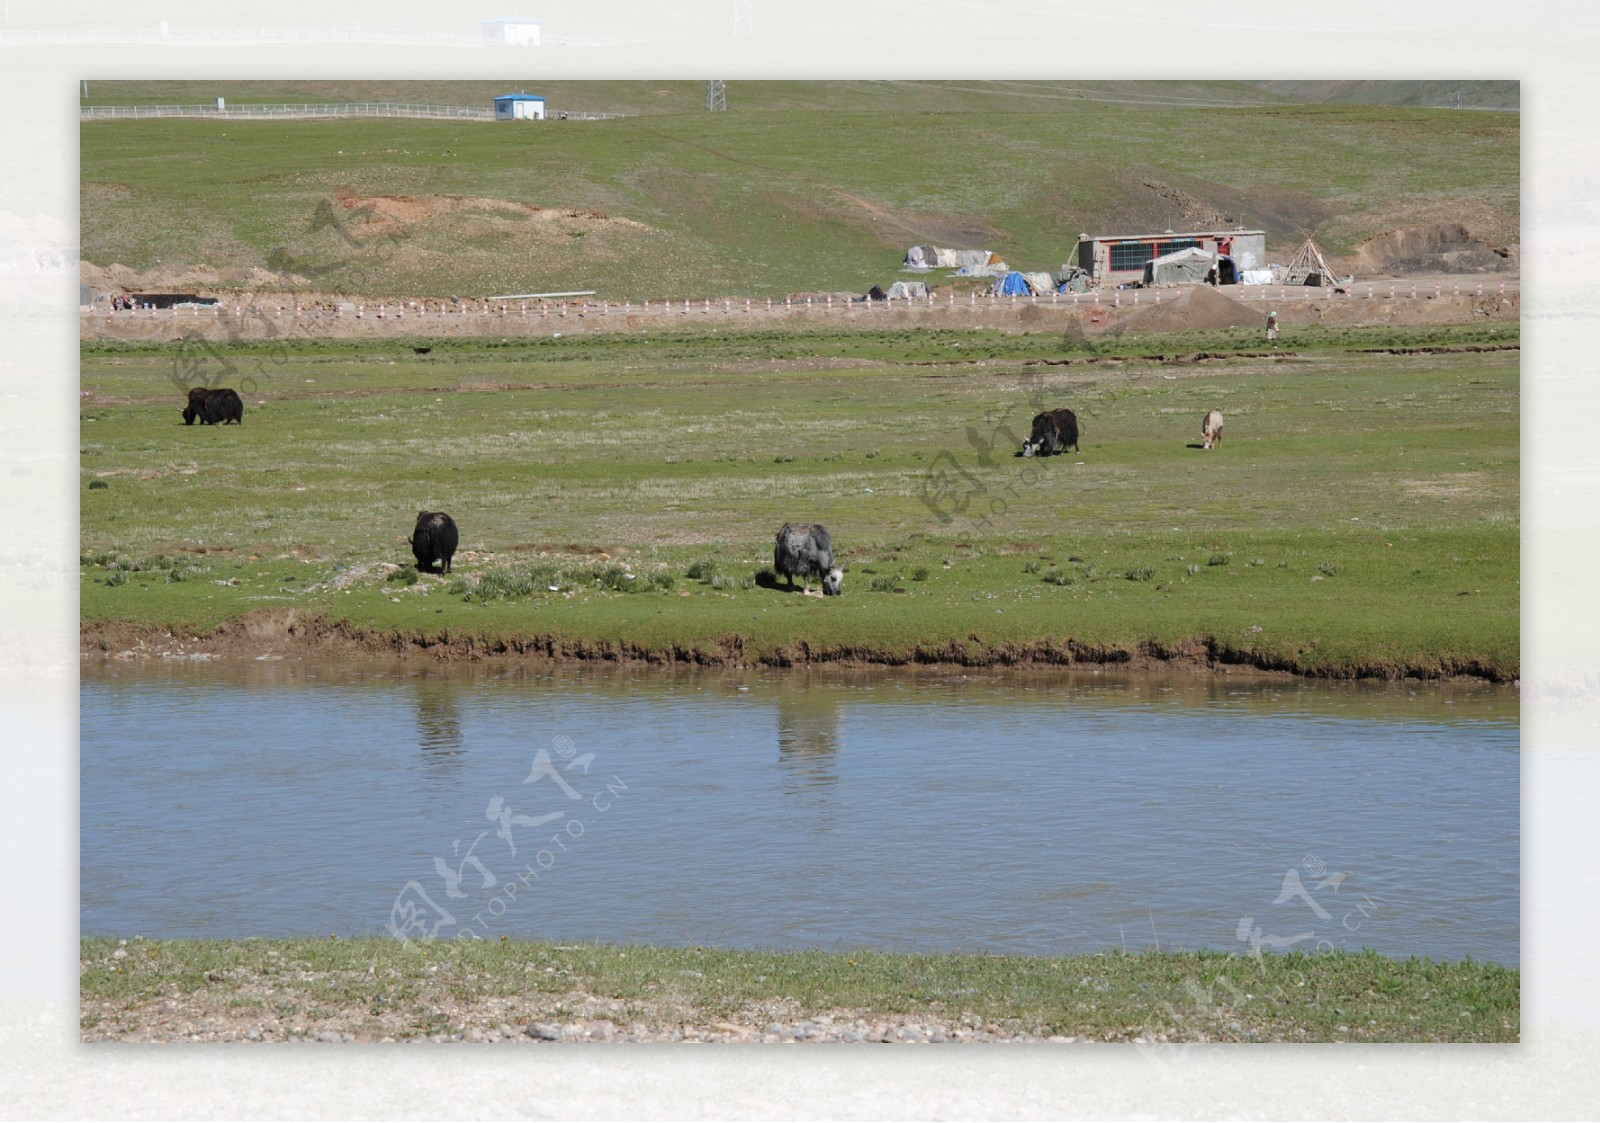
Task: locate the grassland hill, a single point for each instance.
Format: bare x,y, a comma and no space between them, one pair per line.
799,187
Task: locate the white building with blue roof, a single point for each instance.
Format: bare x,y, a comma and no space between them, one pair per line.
519,107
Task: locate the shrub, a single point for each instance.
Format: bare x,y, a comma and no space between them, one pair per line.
921,573
98,485
616,578
500,584
1143,573
702,571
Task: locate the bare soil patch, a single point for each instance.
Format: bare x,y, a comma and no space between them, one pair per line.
289,634
1447,248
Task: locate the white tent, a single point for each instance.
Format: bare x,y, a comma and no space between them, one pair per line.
971,262
1188,266
908,290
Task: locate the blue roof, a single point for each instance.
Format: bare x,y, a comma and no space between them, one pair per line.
519,97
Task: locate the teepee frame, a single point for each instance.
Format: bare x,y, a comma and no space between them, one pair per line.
1308,260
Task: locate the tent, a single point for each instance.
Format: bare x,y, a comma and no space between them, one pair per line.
1072,279
964,259
1040,284
1188,266
908,290
1270,275
1010,284
969,262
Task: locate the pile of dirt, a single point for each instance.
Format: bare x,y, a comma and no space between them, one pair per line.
375,243
1196,308
385,212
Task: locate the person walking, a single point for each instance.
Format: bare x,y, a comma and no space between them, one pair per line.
1272,325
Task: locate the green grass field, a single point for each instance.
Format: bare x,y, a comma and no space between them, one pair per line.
803,187
618,496
381,987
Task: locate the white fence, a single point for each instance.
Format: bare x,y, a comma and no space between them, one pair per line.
234,36
1279,296
352,109
301,112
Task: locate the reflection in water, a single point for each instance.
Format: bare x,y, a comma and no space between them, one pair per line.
808,733
439,727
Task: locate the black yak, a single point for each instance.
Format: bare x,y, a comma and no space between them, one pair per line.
214,407
805,552
1211,428
433,542
1054,431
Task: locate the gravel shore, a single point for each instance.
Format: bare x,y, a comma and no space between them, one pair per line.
821,1030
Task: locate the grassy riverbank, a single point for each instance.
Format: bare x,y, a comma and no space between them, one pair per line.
617,498
374,989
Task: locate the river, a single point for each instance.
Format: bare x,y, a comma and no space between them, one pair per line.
1039,813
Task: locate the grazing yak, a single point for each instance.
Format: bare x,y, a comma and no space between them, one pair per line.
1054,431
805,552
1211,428
433,542
214,407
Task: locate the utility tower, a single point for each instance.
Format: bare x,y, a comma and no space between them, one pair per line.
741,19
716,96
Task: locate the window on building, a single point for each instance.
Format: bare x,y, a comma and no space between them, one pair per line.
1128,256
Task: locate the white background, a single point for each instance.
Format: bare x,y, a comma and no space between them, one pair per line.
46,1073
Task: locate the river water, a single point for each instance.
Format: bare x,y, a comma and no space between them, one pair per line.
1040,813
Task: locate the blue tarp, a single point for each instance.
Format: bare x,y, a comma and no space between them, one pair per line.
1011,284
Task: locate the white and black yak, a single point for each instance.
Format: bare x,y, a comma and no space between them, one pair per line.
434,540
214,407
805,552
1211,428
1054,430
